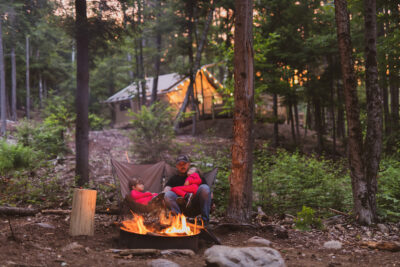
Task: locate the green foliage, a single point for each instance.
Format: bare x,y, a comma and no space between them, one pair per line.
40,189
14,157
106,194
207,161
97,123
59,112
306,219
285,182
45,139
152,132
388,195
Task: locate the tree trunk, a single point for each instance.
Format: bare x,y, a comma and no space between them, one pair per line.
202,93
383,79
130,72
394,94
363,211
291,119
394,75
82,94
2,84
373,141
141,75
13,67
318,124
340,118
111,91
40,91
332,107
240,197
28,89
195,67
308,119
158,55
296,118
276,122
13,85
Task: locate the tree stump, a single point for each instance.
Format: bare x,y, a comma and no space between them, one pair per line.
82,214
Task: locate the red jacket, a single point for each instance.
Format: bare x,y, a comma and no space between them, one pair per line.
142,197
194,182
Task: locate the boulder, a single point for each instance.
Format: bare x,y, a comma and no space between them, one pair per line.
224,256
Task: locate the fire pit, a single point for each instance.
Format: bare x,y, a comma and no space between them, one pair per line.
175,233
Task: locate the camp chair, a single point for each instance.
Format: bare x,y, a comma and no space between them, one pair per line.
154,177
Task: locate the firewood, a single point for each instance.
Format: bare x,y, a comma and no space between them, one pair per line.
389,246
140,252
58,212
339,212
82,215
17,211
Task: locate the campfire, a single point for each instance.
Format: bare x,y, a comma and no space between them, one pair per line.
164,232
165,226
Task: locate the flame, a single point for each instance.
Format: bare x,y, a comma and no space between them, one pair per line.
176,226
135,225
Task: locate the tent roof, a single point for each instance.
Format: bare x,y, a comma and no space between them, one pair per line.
165,82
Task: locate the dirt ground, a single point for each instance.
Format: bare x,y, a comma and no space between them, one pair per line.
43,240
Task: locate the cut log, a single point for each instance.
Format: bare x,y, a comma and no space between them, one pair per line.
17,211
57,212
82,215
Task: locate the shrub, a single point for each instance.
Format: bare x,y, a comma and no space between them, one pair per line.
45,138
97,123
14,157
152,132
40,189
388,195
59,111
222,160
285,182
306,219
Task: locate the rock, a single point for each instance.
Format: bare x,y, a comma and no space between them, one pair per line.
72,246
224,256
181,252
340,228
46,225
256,240
281,232
383,228
333,244
162,263
332,220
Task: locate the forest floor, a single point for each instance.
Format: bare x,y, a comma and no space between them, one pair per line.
43,240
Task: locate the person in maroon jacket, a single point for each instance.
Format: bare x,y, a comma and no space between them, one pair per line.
137,187
201,202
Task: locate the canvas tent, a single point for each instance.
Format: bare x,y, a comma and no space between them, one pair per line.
171,89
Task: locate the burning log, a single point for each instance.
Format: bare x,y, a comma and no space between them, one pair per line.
82,215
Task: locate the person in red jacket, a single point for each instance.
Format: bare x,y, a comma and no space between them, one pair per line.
189,188
137,187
